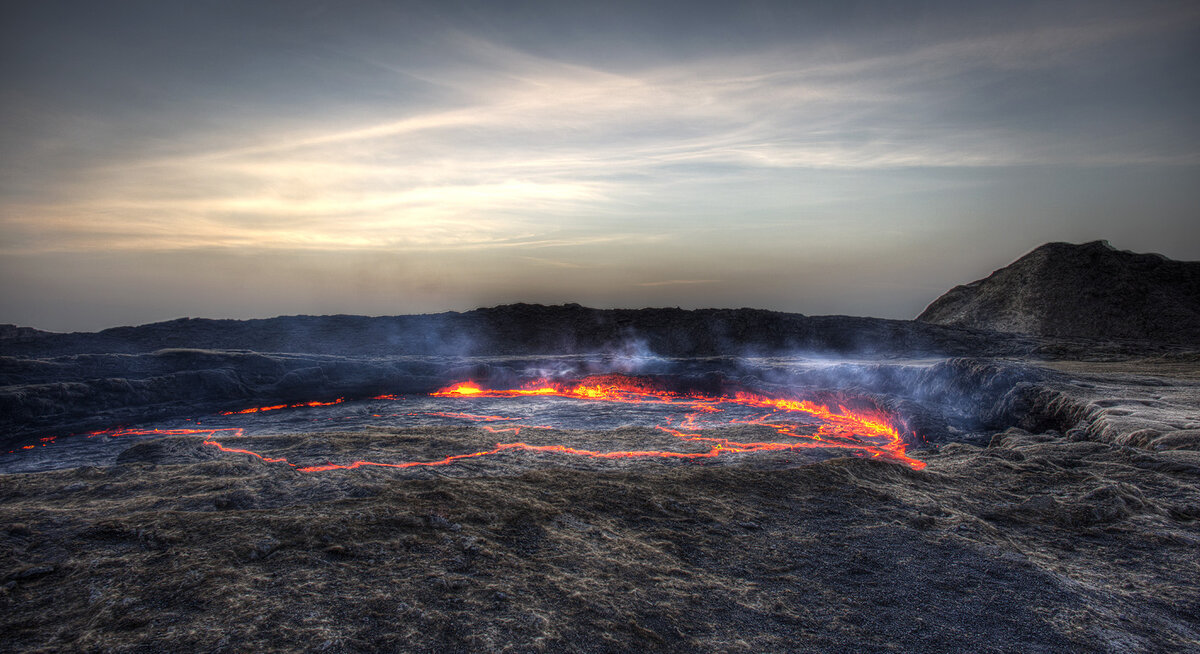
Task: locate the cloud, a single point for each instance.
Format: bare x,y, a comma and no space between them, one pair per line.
529,151
680,282
554,263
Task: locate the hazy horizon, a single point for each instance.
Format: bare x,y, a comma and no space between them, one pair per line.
249,160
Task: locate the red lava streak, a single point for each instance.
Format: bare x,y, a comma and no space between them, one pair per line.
276,407
863,433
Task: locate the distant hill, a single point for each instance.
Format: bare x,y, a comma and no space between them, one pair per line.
13,331
519,329
1091,290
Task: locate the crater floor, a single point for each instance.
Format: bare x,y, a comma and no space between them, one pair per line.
1078,532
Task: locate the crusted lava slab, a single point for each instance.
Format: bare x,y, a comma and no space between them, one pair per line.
981,551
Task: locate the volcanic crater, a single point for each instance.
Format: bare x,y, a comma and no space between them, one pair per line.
643,417
530,478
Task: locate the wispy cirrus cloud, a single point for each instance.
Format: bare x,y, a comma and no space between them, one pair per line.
680,282
528,149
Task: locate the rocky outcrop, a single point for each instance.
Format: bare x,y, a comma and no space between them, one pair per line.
1091,290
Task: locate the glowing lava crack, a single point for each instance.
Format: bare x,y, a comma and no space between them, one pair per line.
862,433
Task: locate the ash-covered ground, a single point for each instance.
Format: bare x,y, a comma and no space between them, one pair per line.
1058,512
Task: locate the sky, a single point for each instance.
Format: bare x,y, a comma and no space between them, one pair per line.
238,160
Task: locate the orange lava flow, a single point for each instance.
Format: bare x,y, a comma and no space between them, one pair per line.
863,433
276,407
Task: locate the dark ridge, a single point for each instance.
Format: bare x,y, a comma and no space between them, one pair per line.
532,329
1091,290
13,331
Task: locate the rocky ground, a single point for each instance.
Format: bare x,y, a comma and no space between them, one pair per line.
1080,536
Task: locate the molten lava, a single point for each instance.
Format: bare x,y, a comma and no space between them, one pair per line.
868,433
276,407
863,433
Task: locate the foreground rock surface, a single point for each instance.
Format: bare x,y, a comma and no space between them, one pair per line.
1031,544
1076,531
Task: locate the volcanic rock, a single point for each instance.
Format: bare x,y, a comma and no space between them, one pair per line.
1089,290
169,451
